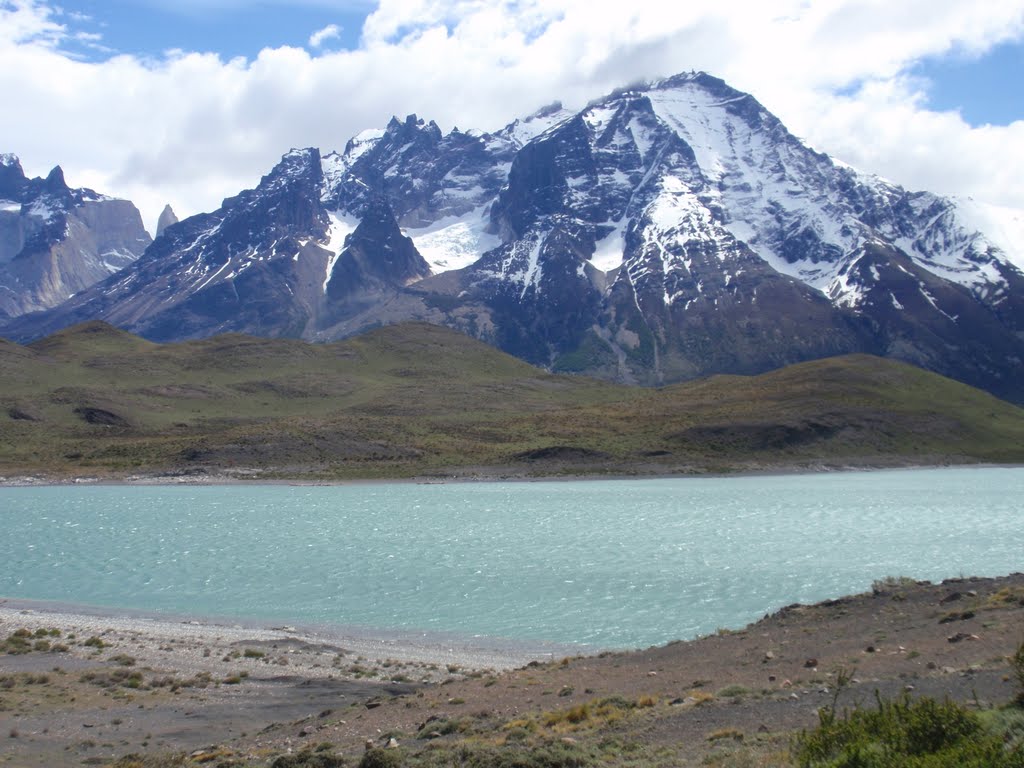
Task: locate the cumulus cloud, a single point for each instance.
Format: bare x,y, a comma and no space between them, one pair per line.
327,33
192,128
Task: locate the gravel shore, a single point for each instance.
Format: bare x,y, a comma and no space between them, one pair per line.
188,644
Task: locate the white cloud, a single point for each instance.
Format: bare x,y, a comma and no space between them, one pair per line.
327,33
192,128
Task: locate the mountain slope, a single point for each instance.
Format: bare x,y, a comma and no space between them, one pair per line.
665,232
416,399
56,241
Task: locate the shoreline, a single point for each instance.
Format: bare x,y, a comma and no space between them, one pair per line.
174,692
490,475
180,693
375,645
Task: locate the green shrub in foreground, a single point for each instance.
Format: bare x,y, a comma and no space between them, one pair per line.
921,733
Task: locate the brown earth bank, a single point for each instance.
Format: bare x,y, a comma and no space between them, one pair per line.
77,689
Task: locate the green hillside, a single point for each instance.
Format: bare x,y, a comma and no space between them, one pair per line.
419,400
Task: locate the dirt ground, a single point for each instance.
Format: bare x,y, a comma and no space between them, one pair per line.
254,694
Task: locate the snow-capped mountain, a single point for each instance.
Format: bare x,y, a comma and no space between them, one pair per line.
667,231
56,241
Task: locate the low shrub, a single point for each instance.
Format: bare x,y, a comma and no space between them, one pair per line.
381,758
319,758
922,733
1017,664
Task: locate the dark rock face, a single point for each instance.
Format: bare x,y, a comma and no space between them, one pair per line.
423,175
56,241
667,231
376,257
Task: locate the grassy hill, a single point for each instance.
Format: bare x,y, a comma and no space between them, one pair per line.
419,400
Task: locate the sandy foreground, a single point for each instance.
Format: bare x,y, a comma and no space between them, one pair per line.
100,687
201,683
191,644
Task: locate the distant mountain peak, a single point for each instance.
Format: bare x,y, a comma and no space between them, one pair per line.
670,229
55,180
167,218
56,241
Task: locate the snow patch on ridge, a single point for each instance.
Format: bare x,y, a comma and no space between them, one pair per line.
334,167
341,227
609,249
1002,227
362,143
454,242
522,132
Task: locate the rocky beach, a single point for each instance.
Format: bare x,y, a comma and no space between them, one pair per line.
80,687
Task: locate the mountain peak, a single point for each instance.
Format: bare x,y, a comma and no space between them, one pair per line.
300,157
668,230
55,180
12,178
167,218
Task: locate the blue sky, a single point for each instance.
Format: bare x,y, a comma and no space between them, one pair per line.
151,27
191,101
986,88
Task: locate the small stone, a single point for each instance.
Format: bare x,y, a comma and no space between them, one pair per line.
762,728
957,637
771,678
392,743
870,649
811,663
568,740
434,735
908,688
932,665
768,656
794,697
787,684
369,745
951,597
652,673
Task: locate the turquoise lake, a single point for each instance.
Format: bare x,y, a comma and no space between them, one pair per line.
609,564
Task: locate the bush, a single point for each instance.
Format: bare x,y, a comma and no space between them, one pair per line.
309,759
907,733
1017,663
381,758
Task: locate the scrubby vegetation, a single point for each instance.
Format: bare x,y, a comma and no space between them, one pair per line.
419,400
908,733
918,733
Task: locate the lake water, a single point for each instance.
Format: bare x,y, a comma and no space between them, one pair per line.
611,564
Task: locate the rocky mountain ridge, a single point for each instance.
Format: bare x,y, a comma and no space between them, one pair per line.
56,241
667,231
